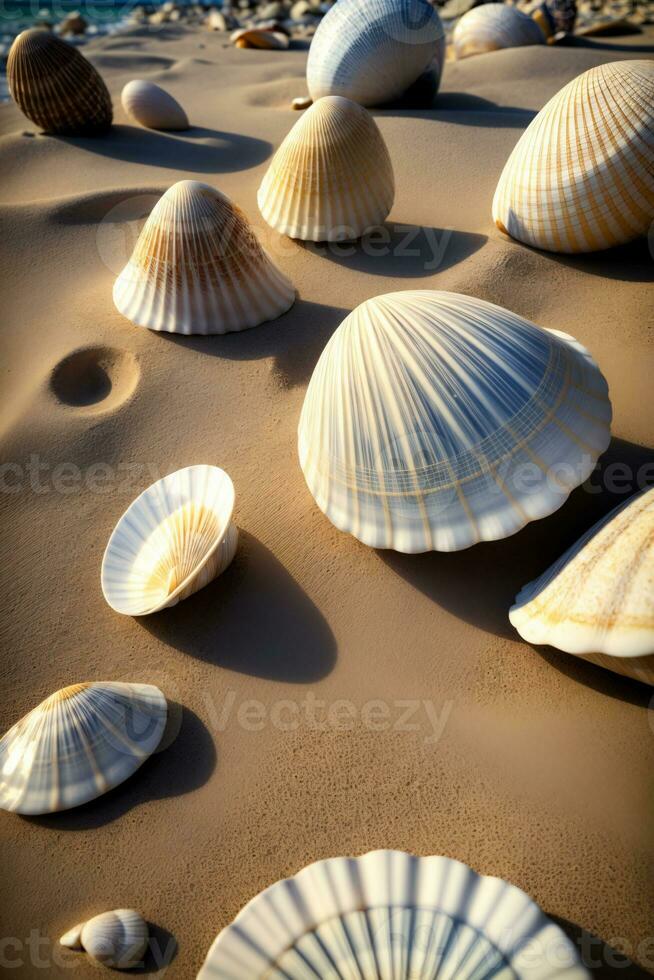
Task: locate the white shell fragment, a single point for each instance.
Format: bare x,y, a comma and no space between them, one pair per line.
153,107
434,420
392,916
494,26
597,600
172,540
116,939
332,177
80,742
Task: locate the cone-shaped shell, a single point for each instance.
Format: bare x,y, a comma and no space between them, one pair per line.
332,178
171,541
153,107
392,916
117,939
435,420
77,744
494,26
372,51
597,600
581,177
56,87
197,267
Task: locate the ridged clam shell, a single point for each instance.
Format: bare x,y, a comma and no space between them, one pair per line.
117,939
581,177
372,51
391,916
77,744
494,26
153,107
56,87
332,177
197,267
597,600
171,541
435,420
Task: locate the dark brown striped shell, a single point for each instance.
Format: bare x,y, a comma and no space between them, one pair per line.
56,87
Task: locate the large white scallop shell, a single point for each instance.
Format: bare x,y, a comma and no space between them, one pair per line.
151,106
78,743
372,51
172,540
197,267
56,87
435,420
391,916
581,177
494,26
117,939
332,177
597,600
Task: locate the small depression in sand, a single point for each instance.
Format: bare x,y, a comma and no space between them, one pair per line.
96,379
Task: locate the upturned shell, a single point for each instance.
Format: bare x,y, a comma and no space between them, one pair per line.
117,939
151,106
494,26
372,51
581,177
597,600
251,37
80,742
197,267
433,421
331,178
56,87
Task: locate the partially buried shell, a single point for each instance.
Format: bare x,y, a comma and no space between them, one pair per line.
435,420
80,742
117,939
581,177
494,26
56,87
197,267
597,600
331,178
172,540
153,107
372,51
251,37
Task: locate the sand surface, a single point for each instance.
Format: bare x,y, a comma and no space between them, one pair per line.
523,763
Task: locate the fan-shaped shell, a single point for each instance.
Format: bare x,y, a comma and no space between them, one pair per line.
171,541
494,26
372,51
153,107
597,600
332,177
117,939
435,420
391,916
56,87
581,177
77,744
197,267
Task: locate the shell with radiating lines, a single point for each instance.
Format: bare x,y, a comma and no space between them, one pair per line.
372,51
332,177
172,540
197,267
597,600
581,177
116,939
151,106
494,26
434,420
388,915
55,86
77,744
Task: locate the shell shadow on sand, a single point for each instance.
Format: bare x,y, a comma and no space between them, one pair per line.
462,109
604,962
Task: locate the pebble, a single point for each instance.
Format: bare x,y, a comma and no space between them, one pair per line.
302,102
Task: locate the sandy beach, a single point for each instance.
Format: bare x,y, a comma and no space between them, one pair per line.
522,762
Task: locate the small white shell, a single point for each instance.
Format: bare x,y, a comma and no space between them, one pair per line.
332,178
597,600
117,939
172,540
494,26
80,742
151,106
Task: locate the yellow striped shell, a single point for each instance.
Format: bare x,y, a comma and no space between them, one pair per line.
494,26
331,178
116,939
581,177
151,106
56,87
597,600
197,267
